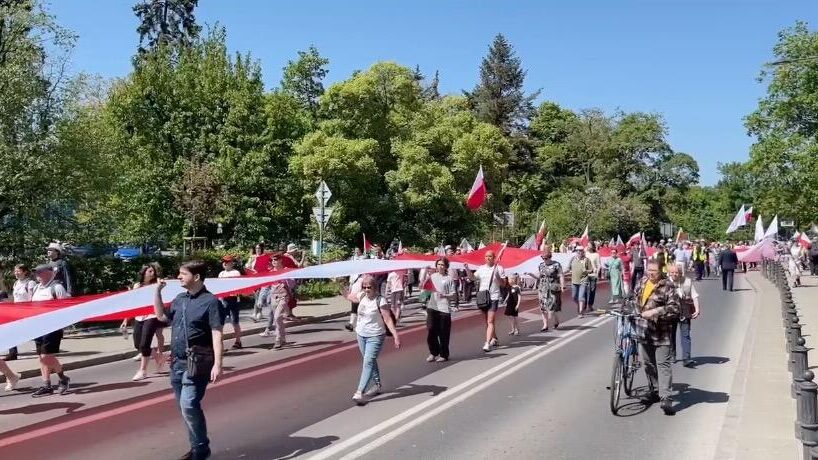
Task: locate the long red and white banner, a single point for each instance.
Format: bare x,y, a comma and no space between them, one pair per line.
20,322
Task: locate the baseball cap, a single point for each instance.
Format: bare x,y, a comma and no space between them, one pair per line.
292,247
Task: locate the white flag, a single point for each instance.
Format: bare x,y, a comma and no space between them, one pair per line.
739,220
530,243
759,229
772,230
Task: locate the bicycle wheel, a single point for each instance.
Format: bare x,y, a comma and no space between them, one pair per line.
616,382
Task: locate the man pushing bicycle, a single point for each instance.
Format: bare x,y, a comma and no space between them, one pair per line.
658,303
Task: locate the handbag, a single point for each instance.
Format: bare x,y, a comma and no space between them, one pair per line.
483,299
200,359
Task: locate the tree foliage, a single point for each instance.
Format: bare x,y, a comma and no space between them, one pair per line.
166,23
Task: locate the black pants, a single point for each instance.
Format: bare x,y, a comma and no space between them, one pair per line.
439,327
638,272
707,268
143,332
814,264
699,266
727,278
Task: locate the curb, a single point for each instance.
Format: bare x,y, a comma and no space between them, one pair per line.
113,357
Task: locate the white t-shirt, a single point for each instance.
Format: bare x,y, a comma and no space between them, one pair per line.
595,263
229,273
370,322
444,286
483,274
394,282
51,291
23,289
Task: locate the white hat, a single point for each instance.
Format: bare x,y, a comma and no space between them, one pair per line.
579,248
55,246
292,247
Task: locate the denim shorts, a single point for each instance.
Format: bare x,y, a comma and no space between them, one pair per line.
492,306
578,292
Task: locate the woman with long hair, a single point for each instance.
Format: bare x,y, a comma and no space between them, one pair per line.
146,326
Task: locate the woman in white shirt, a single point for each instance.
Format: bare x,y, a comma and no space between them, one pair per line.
395,284
374,320
439,315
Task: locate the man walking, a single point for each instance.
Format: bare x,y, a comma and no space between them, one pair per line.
638,256
699,260
48,345
813,257
62,271
580,268
196,349
728,262
659,305
688,310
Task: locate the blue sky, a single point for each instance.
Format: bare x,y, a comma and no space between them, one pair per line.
693,61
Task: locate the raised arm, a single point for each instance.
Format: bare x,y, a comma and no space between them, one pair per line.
158,305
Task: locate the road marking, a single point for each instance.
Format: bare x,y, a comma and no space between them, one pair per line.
432,407
91,418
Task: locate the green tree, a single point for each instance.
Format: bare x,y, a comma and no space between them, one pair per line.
784,160
303,78
500,97
166,22
33,58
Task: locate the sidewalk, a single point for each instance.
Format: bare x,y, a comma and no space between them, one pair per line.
78,351
760,418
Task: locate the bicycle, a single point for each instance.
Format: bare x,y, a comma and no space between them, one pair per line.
626,359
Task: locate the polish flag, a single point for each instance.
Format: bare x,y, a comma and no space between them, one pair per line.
367,244
748,215
477,194
612,243
619,240
584,240
739,220
540,234
400,247
635,239
545,240
804,241
429,285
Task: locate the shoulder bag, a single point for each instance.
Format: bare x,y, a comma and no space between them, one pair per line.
200,359
483,299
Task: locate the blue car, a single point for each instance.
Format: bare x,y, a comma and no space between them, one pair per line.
128,253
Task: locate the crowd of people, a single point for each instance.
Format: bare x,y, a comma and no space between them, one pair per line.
662,284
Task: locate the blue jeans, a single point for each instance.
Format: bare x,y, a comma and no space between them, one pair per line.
189,393
684,330
370,349
590,292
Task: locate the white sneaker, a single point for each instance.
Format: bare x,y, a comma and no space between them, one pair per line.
359,399
139,376
374,391
137,357
266,334
486,347
493,342
430,358
11,381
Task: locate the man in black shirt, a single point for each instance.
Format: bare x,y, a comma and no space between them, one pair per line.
195,321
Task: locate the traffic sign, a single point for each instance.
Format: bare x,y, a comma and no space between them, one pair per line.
322,193
322,217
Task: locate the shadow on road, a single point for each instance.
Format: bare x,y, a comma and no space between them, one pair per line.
38,408
688,396
709,360
108,387
409,390
289,447
309,331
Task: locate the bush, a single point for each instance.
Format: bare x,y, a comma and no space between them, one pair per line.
317,289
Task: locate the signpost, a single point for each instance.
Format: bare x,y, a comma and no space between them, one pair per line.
322,214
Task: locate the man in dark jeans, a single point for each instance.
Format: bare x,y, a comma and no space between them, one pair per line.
195,321
813,258
728,261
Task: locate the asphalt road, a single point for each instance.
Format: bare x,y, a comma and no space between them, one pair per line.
540,395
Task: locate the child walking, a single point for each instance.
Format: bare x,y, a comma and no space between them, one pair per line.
512,301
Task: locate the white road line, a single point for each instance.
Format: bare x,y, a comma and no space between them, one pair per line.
434,406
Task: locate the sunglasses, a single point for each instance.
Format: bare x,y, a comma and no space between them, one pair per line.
367,287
